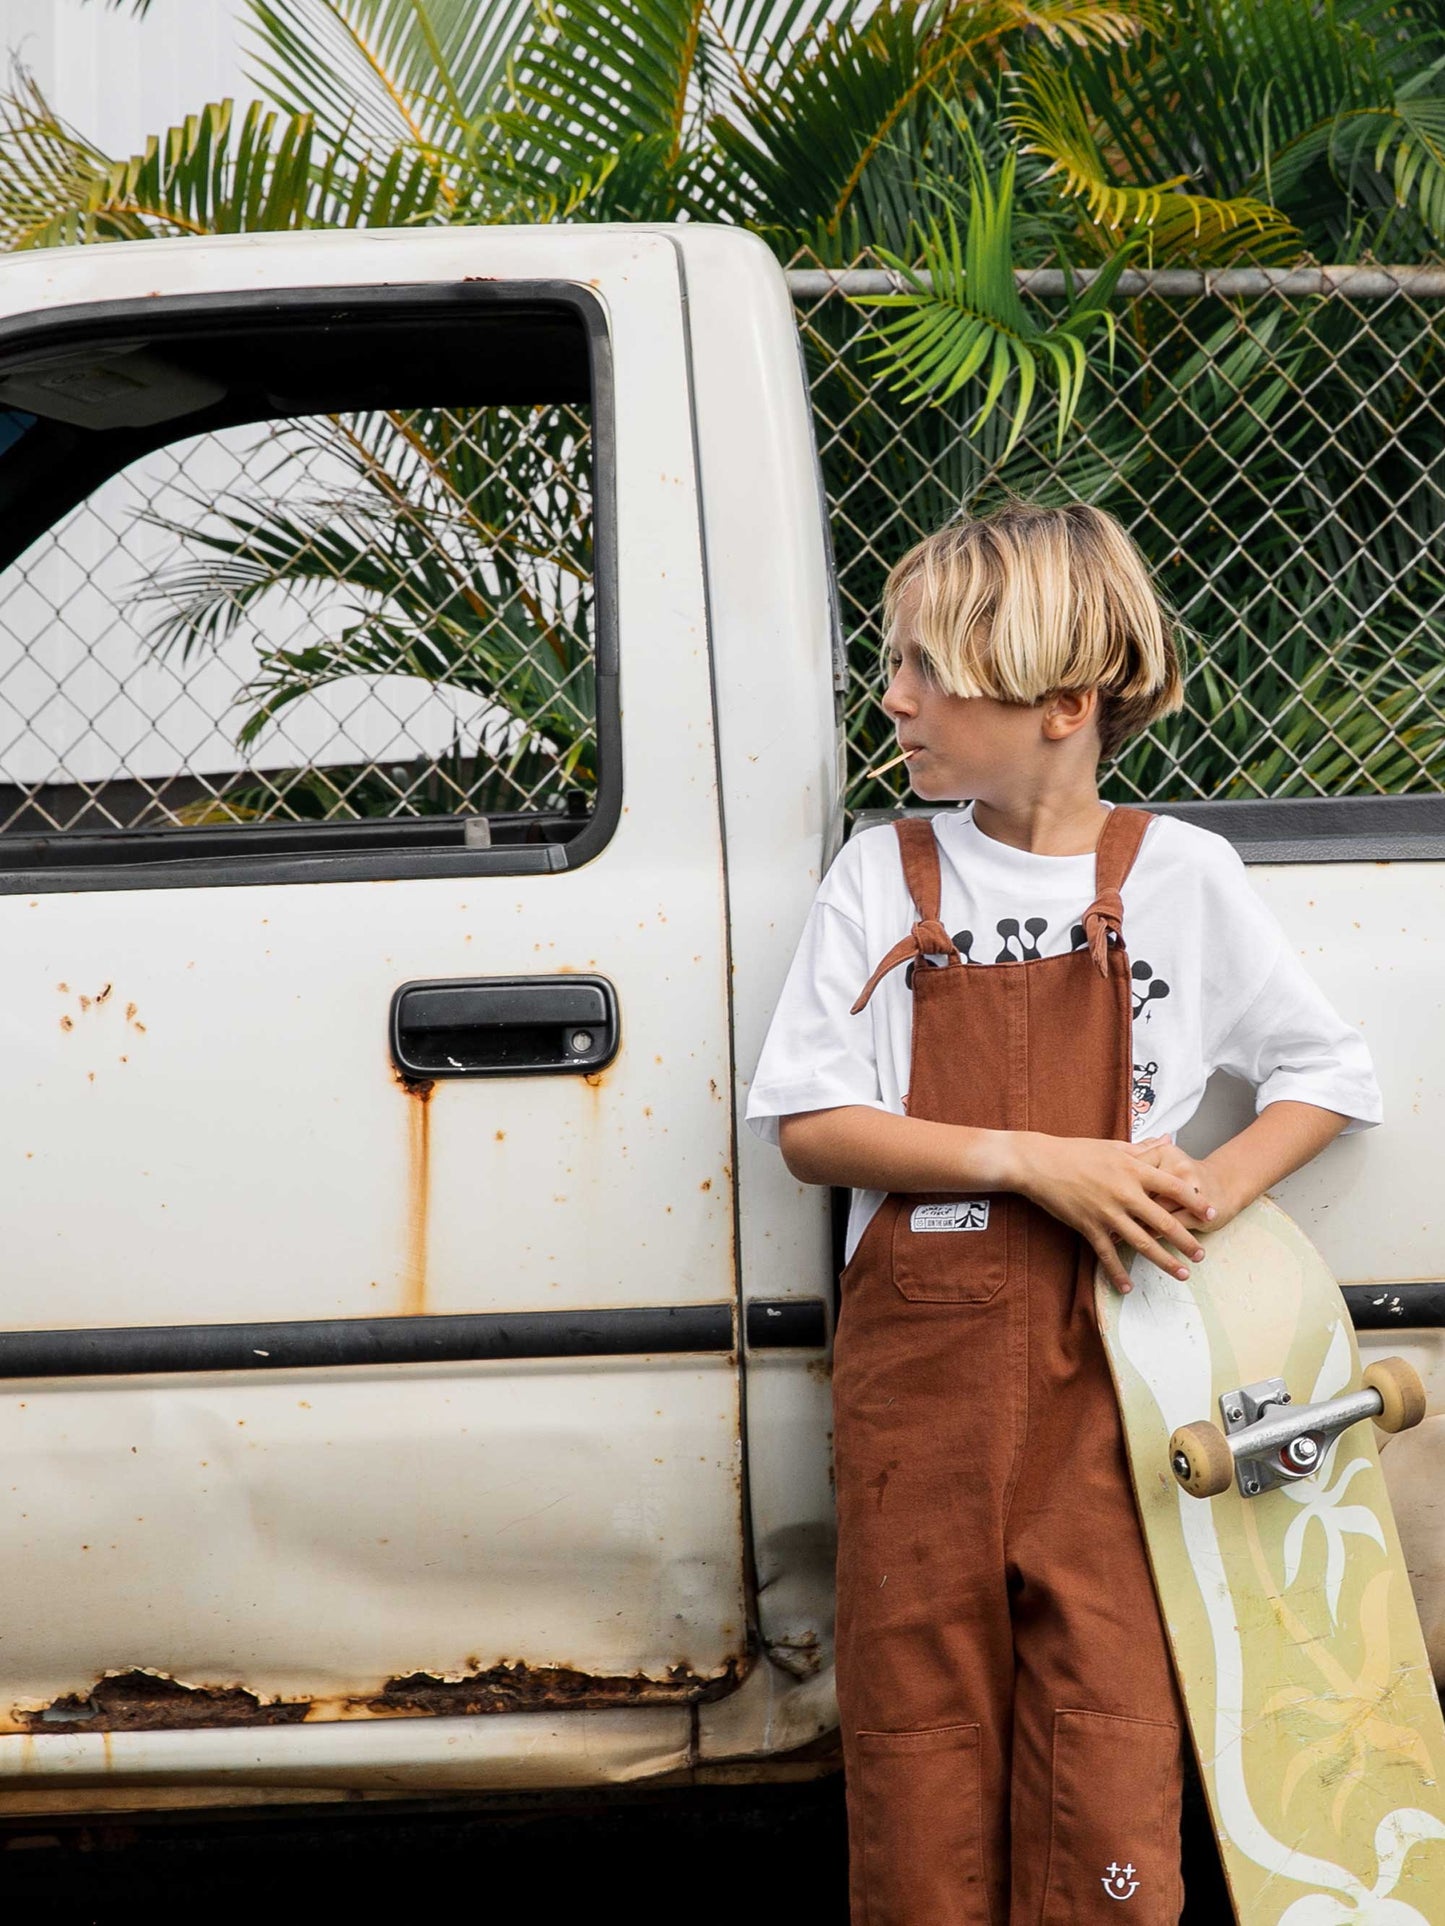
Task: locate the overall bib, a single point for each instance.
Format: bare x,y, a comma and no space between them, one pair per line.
1011,1730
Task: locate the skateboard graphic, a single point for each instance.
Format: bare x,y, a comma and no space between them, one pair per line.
1280,1577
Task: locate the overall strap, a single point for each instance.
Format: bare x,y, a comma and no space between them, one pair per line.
919,850
1118,845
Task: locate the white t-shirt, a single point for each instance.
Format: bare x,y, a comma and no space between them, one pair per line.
1216,985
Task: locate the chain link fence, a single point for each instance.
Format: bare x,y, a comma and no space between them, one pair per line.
1271,439
390,614
326,618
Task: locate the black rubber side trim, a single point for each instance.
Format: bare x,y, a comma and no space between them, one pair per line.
326,1342
1385,1307
1297,829
787,1324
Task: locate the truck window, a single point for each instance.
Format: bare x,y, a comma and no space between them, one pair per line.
313,576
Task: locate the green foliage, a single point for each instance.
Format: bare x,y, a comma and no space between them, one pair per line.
461,545
966,318
214,174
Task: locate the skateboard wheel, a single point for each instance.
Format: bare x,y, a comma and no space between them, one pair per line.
1201,1460
1402,1395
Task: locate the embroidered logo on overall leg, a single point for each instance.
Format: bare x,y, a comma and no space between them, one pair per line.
1119,1882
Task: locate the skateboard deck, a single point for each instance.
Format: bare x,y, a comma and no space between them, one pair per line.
1295,1639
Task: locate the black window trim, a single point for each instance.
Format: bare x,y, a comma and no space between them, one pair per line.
112,860
1296,829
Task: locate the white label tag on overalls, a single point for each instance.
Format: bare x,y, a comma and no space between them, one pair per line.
970,1215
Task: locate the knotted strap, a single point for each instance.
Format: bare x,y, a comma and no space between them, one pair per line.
921,872
1114,855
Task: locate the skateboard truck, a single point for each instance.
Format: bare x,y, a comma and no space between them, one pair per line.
1268,1440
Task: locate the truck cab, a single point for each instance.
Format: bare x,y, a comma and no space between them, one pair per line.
419,746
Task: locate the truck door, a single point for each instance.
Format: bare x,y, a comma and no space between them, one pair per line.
369,1280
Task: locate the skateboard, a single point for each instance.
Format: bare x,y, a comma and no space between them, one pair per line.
1250,1433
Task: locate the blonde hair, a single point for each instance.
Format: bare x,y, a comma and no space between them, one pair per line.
1027,602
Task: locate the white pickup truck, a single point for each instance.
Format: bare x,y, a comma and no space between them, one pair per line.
412,1375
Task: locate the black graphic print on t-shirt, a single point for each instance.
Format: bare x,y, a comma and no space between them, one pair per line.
1021,936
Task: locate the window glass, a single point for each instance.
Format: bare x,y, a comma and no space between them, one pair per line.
374,615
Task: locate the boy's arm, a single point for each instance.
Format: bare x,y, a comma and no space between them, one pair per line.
1282,1138
1095,1184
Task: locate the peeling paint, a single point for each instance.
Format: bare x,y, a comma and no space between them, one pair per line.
533,1688
151,1701
141,1701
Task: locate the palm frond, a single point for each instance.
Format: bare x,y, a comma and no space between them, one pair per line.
1175,222
50,176
802,137
595,80
374,74
1404,145
458,556
214,174
967,319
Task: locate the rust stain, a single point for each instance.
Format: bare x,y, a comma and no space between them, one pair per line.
418,1190
149,1702
535,1688
140,1701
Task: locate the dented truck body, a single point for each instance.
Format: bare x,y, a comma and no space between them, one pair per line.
376,1421
376,1429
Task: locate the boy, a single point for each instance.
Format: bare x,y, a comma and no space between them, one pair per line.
1004,1110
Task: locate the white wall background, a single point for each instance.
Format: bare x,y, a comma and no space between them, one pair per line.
116,78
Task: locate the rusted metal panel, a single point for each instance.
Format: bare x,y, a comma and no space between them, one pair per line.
142,1701
308,1536
521,1688
148,1701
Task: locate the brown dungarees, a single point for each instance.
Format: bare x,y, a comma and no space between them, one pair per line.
1011,1729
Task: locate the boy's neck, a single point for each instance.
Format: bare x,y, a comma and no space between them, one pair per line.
1044,825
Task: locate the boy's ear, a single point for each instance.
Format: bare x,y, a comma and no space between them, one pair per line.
1069,710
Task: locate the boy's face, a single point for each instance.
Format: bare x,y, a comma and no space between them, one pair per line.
976,746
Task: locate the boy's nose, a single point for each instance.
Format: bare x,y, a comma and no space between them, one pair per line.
894,702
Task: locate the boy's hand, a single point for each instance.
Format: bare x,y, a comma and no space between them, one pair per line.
1101,1188
1164,1154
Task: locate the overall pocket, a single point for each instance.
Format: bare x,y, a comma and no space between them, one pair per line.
1114,1821
917,1811
957,1250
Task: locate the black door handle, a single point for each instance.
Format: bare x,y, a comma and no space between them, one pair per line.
504,1026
